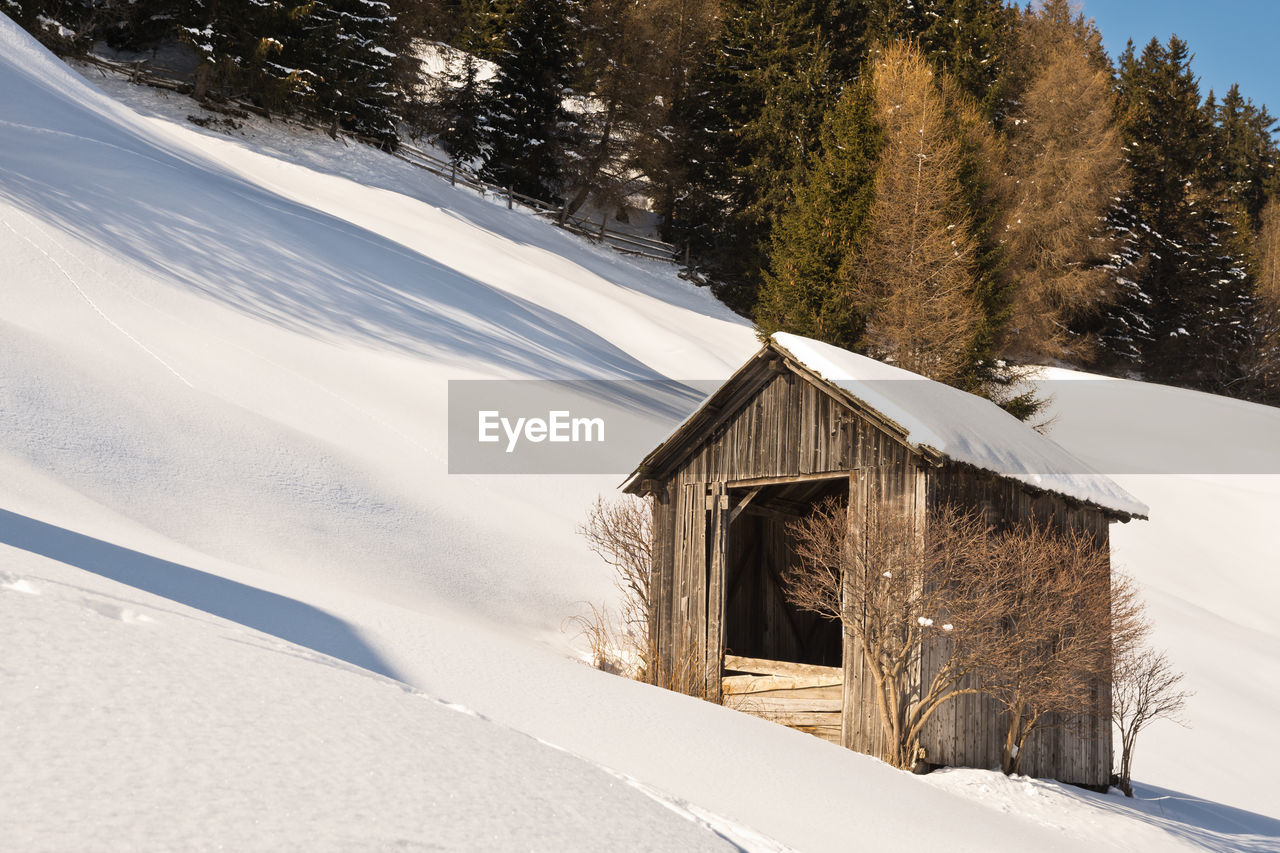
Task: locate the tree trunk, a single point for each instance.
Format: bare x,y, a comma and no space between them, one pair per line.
201,87
1012,743
593,168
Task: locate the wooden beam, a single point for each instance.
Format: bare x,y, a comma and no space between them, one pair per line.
755,482
753,704
780,508
769,683
742,504
760,666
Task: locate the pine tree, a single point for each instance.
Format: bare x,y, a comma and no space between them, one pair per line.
620,70
766,93
825,224
967,39
1244,154
66,27
1063,167
460,104
527,123
344,57
680,36
1182,293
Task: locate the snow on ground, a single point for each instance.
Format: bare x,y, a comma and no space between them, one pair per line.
1208,563
302,751
244,602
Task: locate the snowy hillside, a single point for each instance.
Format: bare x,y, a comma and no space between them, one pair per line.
245,605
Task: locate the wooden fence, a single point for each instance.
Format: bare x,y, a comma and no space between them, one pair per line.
455,173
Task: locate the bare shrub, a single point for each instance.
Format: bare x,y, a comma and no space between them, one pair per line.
1030,616
1067,617
896,587
1146,688
619,635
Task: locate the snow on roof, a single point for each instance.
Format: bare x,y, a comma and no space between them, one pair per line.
961,426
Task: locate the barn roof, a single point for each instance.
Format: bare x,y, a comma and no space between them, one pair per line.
932,418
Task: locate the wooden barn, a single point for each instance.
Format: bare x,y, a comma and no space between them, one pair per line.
802,421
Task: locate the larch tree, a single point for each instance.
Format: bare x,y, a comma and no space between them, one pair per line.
1063,167
918,272
1261,362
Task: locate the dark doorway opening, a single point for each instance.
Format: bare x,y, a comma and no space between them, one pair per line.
759,621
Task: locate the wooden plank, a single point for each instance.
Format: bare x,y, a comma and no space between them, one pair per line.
766,683
697,568
760,666
827,733
803,718
664,526
751,482
802,694
719,545
756,703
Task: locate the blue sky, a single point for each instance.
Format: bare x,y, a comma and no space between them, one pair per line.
1234,41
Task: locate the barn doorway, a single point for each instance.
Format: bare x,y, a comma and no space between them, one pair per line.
781,663
759,622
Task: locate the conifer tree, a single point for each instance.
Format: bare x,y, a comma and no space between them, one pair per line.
1063,168
1244,154
680,35
527,123
1261,362
919,269
825,224
64,26
621,71
766,93
460,104
344,59
967,39
1182,294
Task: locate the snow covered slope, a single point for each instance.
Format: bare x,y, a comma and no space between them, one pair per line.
243,602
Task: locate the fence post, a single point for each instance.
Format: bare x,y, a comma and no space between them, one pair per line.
453,173
510,198
604,219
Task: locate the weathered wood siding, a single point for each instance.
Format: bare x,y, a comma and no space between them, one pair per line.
784,425
716,583
895,485
969,730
